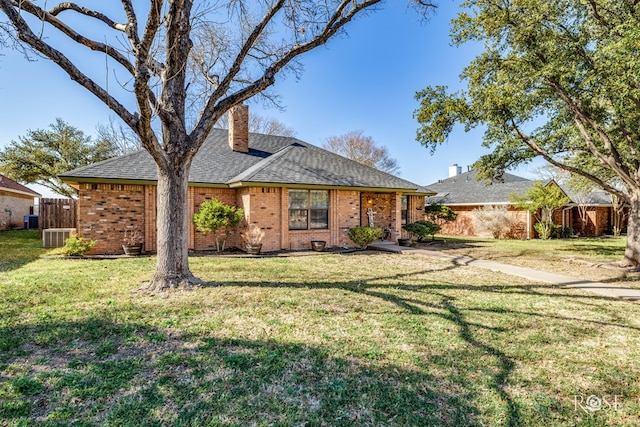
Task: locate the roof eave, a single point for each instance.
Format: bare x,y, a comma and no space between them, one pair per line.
241,184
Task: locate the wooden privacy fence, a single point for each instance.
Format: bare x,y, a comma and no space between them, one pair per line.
57,213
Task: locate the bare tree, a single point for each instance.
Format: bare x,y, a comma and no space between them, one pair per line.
356,146
149,47
493,218
123,140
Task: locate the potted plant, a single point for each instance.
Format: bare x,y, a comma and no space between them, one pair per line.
252,238
318,245
132,242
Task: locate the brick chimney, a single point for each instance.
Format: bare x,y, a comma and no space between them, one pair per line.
239,128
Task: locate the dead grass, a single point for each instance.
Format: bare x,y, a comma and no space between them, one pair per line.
586,258
365,339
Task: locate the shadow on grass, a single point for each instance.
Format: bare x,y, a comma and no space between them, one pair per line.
445,307
99,372
597,249
18,248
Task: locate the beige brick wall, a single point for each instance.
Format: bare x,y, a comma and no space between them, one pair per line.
18,204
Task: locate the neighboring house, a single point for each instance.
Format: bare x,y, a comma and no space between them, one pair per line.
296,192
598,212
16,201
462,192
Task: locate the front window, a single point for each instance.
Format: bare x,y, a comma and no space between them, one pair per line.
404,209
308,209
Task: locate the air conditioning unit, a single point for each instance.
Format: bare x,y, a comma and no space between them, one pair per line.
55,237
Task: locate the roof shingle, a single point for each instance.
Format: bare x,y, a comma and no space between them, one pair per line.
270,160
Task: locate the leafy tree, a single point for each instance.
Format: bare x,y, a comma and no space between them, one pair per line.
557,79
183,65
218,218
541,201
356,146
39,157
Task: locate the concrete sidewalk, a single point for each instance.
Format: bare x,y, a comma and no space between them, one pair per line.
600,288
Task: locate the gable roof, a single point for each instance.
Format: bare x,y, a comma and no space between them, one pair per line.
593,198
12,186
271,161
466,189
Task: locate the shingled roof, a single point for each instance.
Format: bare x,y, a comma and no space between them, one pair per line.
271,160
12,186
466,189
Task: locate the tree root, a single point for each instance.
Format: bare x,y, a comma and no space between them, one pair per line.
162,284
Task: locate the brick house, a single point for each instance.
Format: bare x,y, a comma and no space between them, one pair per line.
16,201
463,192
294,191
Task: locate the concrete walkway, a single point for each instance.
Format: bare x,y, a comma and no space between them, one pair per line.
600,288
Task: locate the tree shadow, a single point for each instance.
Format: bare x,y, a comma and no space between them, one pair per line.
96,371
18,248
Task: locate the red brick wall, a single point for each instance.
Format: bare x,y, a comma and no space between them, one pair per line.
383,206
347,213
197,195
106,211
262,206
464,225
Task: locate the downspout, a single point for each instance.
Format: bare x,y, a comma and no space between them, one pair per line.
528,225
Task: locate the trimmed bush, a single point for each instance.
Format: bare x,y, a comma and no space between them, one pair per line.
363,236
77,246
421,229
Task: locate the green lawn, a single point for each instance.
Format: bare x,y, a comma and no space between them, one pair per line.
364,339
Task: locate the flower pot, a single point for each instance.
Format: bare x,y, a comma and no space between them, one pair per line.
404,242
132,250
253,248
318,245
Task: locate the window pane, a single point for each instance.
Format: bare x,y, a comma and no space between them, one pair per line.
404,202
319,219
319,199
297,219
298,199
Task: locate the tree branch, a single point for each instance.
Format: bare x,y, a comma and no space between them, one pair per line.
544,154
214,108
26,35
51,19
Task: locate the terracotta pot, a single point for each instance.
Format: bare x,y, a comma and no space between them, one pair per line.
318,245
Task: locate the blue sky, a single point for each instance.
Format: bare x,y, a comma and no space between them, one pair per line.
363,81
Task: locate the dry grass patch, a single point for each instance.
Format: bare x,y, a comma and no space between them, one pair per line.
355,339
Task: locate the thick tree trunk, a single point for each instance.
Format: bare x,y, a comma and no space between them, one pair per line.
172,266
632,251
